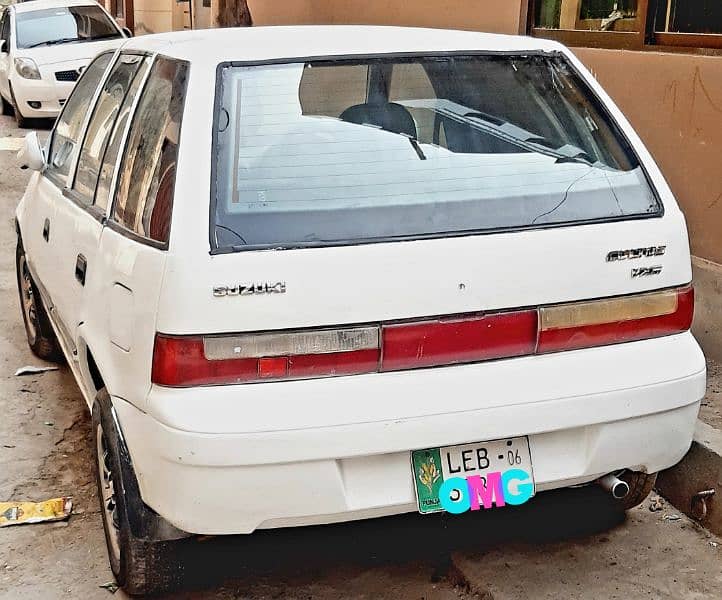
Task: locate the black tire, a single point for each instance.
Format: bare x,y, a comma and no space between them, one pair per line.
20,120
39,331
640,486
5,107
140,566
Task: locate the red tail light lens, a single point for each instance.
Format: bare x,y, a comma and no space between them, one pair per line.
431,343
615,320
181,361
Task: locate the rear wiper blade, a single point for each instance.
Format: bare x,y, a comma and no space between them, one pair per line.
53,42
502,130
570,153
412,139
531,141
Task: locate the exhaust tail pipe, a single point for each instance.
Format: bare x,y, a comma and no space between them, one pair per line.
615,486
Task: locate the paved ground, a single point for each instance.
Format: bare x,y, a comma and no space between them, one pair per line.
563,545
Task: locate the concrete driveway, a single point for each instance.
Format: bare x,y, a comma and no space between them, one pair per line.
561,545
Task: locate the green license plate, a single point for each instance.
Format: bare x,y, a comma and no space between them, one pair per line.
484,474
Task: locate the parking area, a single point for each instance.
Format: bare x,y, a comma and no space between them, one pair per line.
562,545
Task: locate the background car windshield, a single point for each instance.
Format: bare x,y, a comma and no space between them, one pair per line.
343,152
65,24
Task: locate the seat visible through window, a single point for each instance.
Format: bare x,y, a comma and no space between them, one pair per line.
388,116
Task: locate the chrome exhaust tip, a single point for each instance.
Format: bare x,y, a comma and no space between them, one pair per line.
615,486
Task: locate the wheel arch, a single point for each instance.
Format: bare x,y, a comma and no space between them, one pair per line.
93,376
144,521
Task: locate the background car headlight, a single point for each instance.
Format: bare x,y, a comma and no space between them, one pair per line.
27,68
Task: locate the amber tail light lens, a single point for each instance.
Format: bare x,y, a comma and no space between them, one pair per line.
615,320
183,361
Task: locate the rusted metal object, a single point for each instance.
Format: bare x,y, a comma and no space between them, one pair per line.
698,504
691,485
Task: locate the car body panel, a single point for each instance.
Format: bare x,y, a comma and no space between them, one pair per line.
334,449
356,460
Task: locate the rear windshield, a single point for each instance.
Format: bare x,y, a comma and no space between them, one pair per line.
63,25
357,151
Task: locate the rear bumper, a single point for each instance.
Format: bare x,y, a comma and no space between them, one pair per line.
587,413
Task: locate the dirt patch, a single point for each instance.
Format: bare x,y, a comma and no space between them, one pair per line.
711,411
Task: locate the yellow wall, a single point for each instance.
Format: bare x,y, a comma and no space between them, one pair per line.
283,12
498,16
153,16
674,101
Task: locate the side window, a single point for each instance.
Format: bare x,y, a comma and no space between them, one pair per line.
101,124
68,128
5,30
107,169
146,180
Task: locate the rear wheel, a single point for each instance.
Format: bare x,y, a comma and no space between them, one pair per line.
140,566
39,331
640,486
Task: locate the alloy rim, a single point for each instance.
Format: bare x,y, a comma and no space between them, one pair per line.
28,298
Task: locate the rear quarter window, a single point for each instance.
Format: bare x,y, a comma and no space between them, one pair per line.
146,180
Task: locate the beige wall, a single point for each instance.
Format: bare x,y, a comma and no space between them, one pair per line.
284,12
181,15
499,16
153,16
674,101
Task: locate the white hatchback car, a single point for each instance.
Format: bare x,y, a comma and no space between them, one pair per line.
308,275
44,46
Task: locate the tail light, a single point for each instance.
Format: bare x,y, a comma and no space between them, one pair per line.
447,342
197,360
615,320
181,361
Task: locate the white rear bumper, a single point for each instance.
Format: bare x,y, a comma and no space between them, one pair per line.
587,413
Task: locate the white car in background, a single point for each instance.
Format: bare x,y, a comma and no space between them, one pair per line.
305,275
44,46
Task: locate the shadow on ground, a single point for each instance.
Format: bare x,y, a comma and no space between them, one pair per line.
304,553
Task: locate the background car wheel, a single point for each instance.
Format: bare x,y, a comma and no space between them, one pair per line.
21,121
5,107
640,486
140,566
39,331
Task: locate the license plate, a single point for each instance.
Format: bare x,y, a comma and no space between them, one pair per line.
473,476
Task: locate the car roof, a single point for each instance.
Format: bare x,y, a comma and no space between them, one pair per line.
252,44
23,7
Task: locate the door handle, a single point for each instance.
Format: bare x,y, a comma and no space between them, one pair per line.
46,230
81,265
